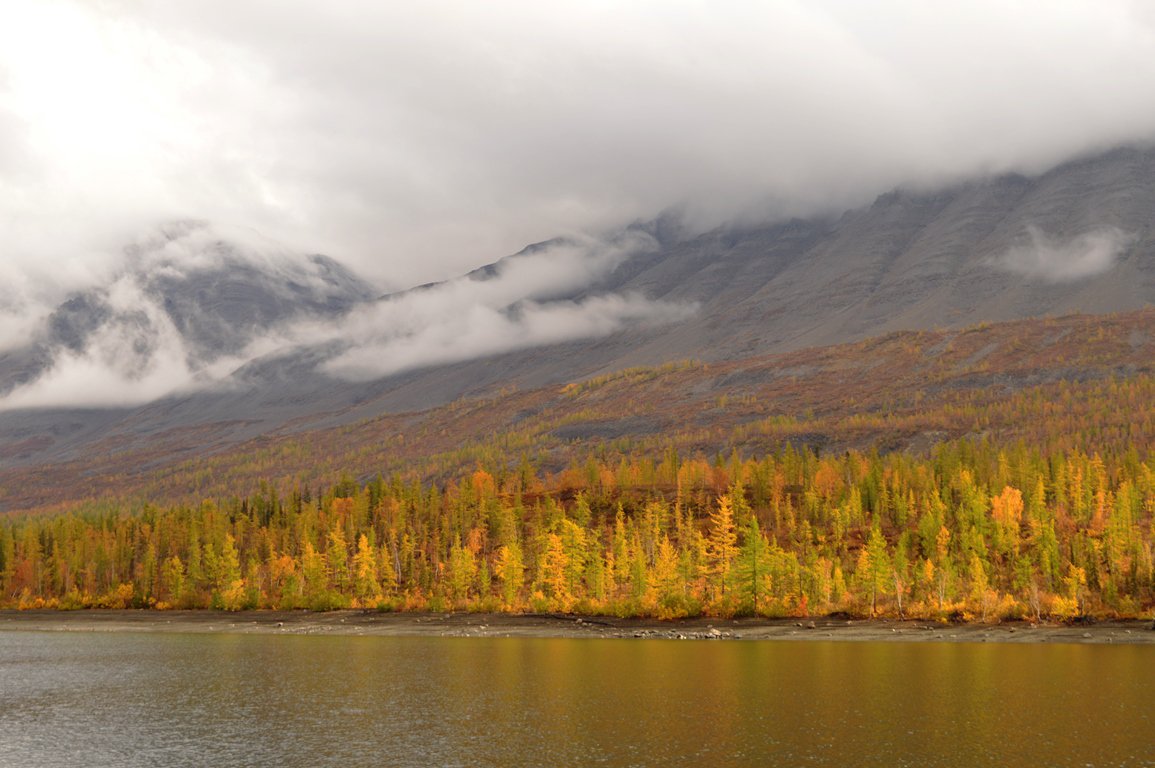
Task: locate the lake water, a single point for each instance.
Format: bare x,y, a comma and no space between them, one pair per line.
136,699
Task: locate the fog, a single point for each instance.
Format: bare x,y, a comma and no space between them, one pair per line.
521,304
1057,261
120,345
418,141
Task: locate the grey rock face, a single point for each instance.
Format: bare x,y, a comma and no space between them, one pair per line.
1076,239
917,260
219,310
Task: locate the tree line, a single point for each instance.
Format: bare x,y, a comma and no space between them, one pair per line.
971,532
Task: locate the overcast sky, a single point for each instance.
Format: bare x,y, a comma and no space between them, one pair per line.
415,140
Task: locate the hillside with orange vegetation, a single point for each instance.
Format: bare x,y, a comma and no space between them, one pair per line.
998,472
1077,382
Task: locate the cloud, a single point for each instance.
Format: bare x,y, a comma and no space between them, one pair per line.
1056,261
532,299
479,330
418,140
134,356
138,338
188,306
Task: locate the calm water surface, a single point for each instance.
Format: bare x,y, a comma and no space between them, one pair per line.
239,700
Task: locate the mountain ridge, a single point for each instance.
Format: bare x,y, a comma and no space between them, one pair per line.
1077,238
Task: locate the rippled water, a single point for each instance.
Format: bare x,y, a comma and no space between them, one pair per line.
238,700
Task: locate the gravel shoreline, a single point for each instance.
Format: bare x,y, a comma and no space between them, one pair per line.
372,623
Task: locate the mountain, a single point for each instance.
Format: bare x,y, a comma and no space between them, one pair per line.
1078,238
184,288
186,309
1080,382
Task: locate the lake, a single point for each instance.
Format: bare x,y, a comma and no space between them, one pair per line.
140,699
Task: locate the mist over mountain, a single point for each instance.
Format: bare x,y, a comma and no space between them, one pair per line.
184,310
1075,239
197,332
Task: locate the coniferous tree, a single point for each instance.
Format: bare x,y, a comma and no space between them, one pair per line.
722,542
752,569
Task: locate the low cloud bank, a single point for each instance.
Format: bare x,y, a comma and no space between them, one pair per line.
189,309
478,330
532,299
1056,261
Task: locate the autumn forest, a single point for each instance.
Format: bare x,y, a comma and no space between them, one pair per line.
972,533
997,473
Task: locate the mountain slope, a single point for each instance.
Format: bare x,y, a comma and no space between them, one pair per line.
1001,249
1078,238
1078,382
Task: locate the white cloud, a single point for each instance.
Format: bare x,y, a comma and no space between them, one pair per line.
135,354
135,358
416,141
1057,261
18,323
478,330
529,300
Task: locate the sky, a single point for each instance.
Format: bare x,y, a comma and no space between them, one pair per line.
416,141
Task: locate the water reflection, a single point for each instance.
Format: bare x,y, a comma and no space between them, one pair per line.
139,699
